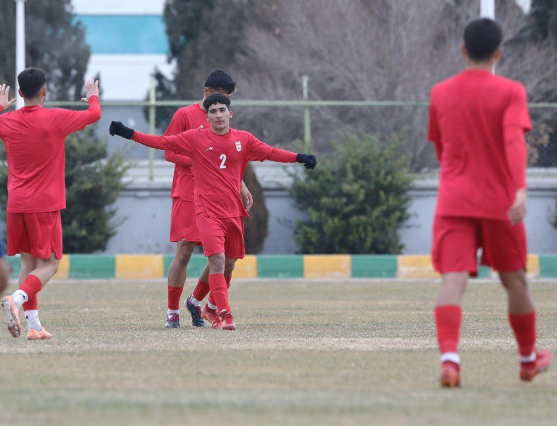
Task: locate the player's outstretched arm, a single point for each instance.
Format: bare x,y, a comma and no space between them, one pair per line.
5,103
260,151
178,143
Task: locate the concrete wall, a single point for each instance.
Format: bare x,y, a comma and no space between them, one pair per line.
147,207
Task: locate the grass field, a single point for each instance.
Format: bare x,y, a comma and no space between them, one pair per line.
320,353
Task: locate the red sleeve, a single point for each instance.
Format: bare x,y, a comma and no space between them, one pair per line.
516,113
433,132
1,109
72,121
180,143
516,154
178,124
179,160
259,151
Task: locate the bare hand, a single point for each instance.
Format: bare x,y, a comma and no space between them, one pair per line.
246,196
91,89
4,94
518,210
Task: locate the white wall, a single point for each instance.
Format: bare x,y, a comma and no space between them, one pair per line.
118,7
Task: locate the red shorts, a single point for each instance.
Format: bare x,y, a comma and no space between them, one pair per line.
222,235
37,233
182,221
456,241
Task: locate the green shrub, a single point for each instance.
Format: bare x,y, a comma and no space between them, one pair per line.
356,200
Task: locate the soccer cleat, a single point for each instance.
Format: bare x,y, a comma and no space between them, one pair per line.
529,370
227,321
172,321
12,313
211,316
450,375
38,335
195,312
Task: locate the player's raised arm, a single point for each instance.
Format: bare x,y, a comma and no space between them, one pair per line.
259,151
5,103
179,143
72,121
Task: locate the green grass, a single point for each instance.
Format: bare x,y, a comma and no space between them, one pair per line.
322,353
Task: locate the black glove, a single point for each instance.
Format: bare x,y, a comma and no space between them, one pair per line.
309,160
117,128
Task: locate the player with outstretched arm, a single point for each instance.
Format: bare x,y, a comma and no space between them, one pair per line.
477,122
35,149
183,227
219,155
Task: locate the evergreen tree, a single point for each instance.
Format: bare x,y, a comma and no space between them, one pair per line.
357,201
54,42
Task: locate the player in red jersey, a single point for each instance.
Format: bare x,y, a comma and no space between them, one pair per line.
219,155
35,137
477,122
183,229
5,103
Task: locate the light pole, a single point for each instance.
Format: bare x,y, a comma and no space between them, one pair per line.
487,9
19,46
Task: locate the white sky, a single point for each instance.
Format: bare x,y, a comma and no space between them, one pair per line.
118,7
524,4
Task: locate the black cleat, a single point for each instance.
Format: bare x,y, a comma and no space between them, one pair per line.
195,312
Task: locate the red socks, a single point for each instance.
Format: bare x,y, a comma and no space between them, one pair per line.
448,319
524,327
228,280
219,291
32,304
31,286
201,290
174,294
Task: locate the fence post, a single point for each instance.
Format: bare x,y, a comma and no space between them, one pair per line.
307,116
152,125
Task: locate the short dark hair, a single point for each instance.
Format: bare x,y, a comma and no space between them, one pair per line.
482,38
220,80
216,98
31,81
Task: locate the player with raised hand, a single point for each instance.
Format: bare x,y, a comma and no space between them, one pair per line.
219,155
477,122
183,229
35,149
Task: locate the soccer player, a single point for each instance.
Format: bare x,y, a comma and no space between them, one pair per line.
183,229
477,122
219,155
4,104
34,137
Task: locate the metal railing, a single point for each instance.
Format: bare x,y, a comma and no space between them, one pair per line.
151,106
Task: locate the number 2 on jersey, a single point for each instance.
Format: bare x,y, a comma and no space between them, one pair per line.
222,163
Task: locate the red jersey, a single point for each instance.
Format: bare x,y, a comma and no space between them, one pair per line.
187,118
34,138
220,163
468,116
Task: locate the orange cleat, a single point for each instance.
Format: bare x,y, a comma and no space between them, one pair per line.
211,316
12,314
227,321
450,375
529,370
38,335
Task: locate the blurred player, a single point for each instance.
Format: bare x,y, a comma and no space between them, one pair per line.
219,155
4,104
35,139
477,121
183,229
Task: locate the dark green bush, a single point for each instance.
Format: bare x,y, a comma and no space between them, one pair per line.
356,200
